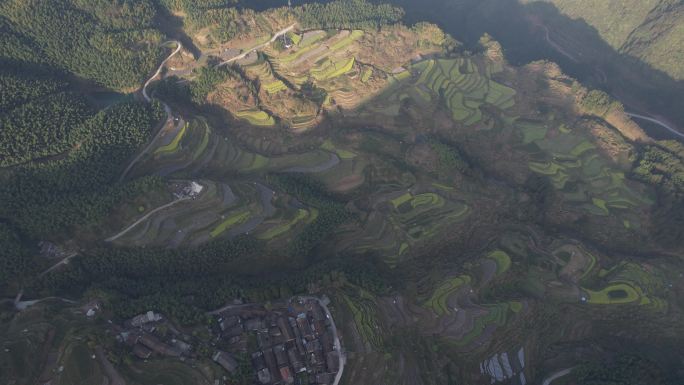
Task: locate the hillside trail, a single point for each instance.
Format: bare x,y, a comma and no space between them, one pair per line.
260,46
167,109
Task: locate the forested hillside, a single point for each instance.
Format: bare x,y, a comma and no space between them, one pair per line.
60,153
111,43
651,30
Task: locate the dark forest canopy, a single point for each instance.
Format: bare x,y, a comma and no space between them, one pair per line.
348,14
112,43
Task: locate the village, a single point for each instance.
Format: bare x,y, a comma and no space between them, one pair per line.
292,342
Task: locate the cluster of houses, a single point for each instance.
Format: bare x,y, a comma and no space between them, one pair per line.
294,344
149,334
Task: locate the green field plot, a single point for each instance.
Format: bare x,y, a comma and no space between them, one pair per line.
296,38
229,222
328,145
438,301
274,87
396,202
256,117
502,259
366,75
363,310
342,43
619,293
330,70
548,168
311,38
531,131
173,146
283,228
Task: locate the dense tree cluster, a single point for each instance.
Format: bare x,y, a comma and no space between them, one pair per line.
15,262
358,14
110,42
597,102
207,79
450,157
623,370
662,166
220,15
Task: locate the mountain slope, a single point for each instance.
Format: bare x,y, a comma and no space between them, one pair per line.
651,30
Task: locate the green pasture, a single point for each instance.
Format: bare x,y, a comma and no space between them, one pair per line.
502,259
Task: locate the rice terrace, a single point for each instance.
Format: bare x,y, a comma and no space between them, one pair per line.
332,193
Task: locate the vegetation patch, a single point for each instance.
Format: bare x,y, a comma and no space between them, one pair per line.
173,146
229,222
502,259
438,300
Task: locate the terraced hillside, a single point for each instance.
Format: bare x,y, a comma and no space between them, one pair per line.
461,219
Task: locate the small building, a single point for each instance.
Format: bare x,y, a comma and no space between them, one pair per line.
296,360
285,329
272,364
254,324
286,375
226,361
264,376
141,351
258,361
157,346
281,355
142,319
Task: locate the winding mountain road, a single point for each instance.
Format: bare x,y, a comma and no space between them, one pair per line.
260,46
167,109
160,208
656,121
159,70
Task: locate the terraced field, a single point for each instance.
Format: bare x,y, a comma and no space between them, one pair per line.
413,220
363,309
629,283
438,301
256,117
462,86
586,180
